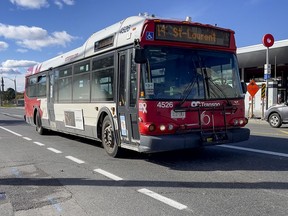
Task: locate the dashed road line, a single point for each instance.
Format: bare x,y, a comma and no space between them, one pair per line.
108,175
54,150
255,150
17,134
38,143
163,199
75,159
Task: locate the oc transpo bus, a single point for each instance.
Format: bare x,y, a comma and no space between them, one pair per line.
146,84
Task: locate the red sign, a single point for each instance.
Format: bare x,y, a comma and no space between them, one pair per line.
252,88
268,40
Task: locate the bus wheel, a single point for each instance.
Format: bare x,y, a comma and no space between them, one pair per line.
39,127
108,138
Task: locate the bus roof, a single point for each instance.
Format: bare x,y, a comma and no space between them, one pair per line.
119,34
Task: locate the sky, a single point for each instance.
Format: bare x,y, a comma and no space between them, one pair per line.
33,31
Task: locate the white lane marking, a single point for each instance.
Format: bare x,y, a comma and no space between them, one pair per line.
54,150
11,131
255,150
75,159
27,138
38,143
108,175
163,199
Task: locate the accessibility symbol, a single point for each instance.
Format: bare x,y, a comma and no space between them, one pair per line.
149,35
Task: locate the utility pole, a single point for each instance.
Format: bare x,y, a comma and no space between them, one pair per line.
2,90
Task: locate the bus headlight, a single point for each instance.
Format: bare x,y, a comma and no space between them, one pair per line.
151,127
162,127
170,127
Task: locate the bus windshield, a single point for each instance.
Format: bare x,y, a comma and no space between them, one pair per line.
184,74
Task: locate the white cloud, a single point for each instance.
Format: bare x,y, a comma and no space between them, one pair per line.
9,71
3,46
22,50
21,31
34,38
18,63
60,3
57,38
30,4
38,4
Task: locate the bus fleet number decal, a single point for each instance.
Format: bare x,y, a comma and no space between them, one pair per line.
164,105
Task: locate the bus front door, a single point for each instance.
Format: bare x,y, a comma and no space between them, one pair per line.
127,96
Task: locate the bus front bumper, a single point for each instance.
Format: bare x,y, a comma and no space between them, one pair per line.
189,140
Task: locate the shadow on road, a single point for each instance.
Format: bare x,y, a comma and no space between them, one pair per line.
12,122
140,183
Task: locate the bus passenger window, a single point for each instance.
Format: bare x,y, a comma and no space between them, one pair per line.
32,87
81,87
102,79
42,86
65,89
102,86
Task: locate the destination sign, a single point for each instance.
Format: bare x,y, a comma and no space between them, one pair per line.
192,34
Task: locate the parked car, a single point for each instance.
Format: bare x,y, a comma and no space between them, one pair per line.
276,115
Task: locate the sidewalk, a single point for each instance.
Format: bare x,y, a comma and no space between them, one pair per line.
257,121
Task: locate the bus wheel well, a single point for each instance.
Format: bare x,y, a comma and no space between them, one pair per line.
99,125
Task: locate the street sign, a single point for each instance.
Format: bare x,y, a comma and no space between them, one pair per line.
268,40
267,71
252,88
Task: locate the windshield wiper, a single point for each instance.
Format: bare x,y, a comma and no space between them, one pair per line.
209,80
188,90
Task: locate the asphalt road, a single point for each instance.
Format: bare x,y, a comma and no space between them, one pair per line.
59,174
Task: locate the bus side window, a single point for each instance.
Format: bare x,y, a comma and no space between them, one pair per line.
42,85
81,87
102,86
64,84
102,78
32,87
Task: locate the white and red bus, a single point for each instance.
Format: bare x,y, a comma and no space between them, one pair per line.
145,84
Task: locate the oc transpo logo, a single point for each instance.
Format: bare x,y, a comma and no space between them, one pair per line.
204,104
205,117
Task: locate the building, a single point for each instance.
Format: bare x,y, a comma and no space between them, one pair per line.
251,62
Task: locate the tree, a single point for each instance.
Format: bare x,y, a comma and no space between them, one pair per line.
10,94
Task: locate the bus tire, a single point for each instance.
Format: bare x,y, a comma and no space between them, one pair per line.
108,138
39,128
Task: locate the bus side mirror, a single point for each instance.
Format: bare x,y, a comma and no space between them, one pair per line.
139,55
244,87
